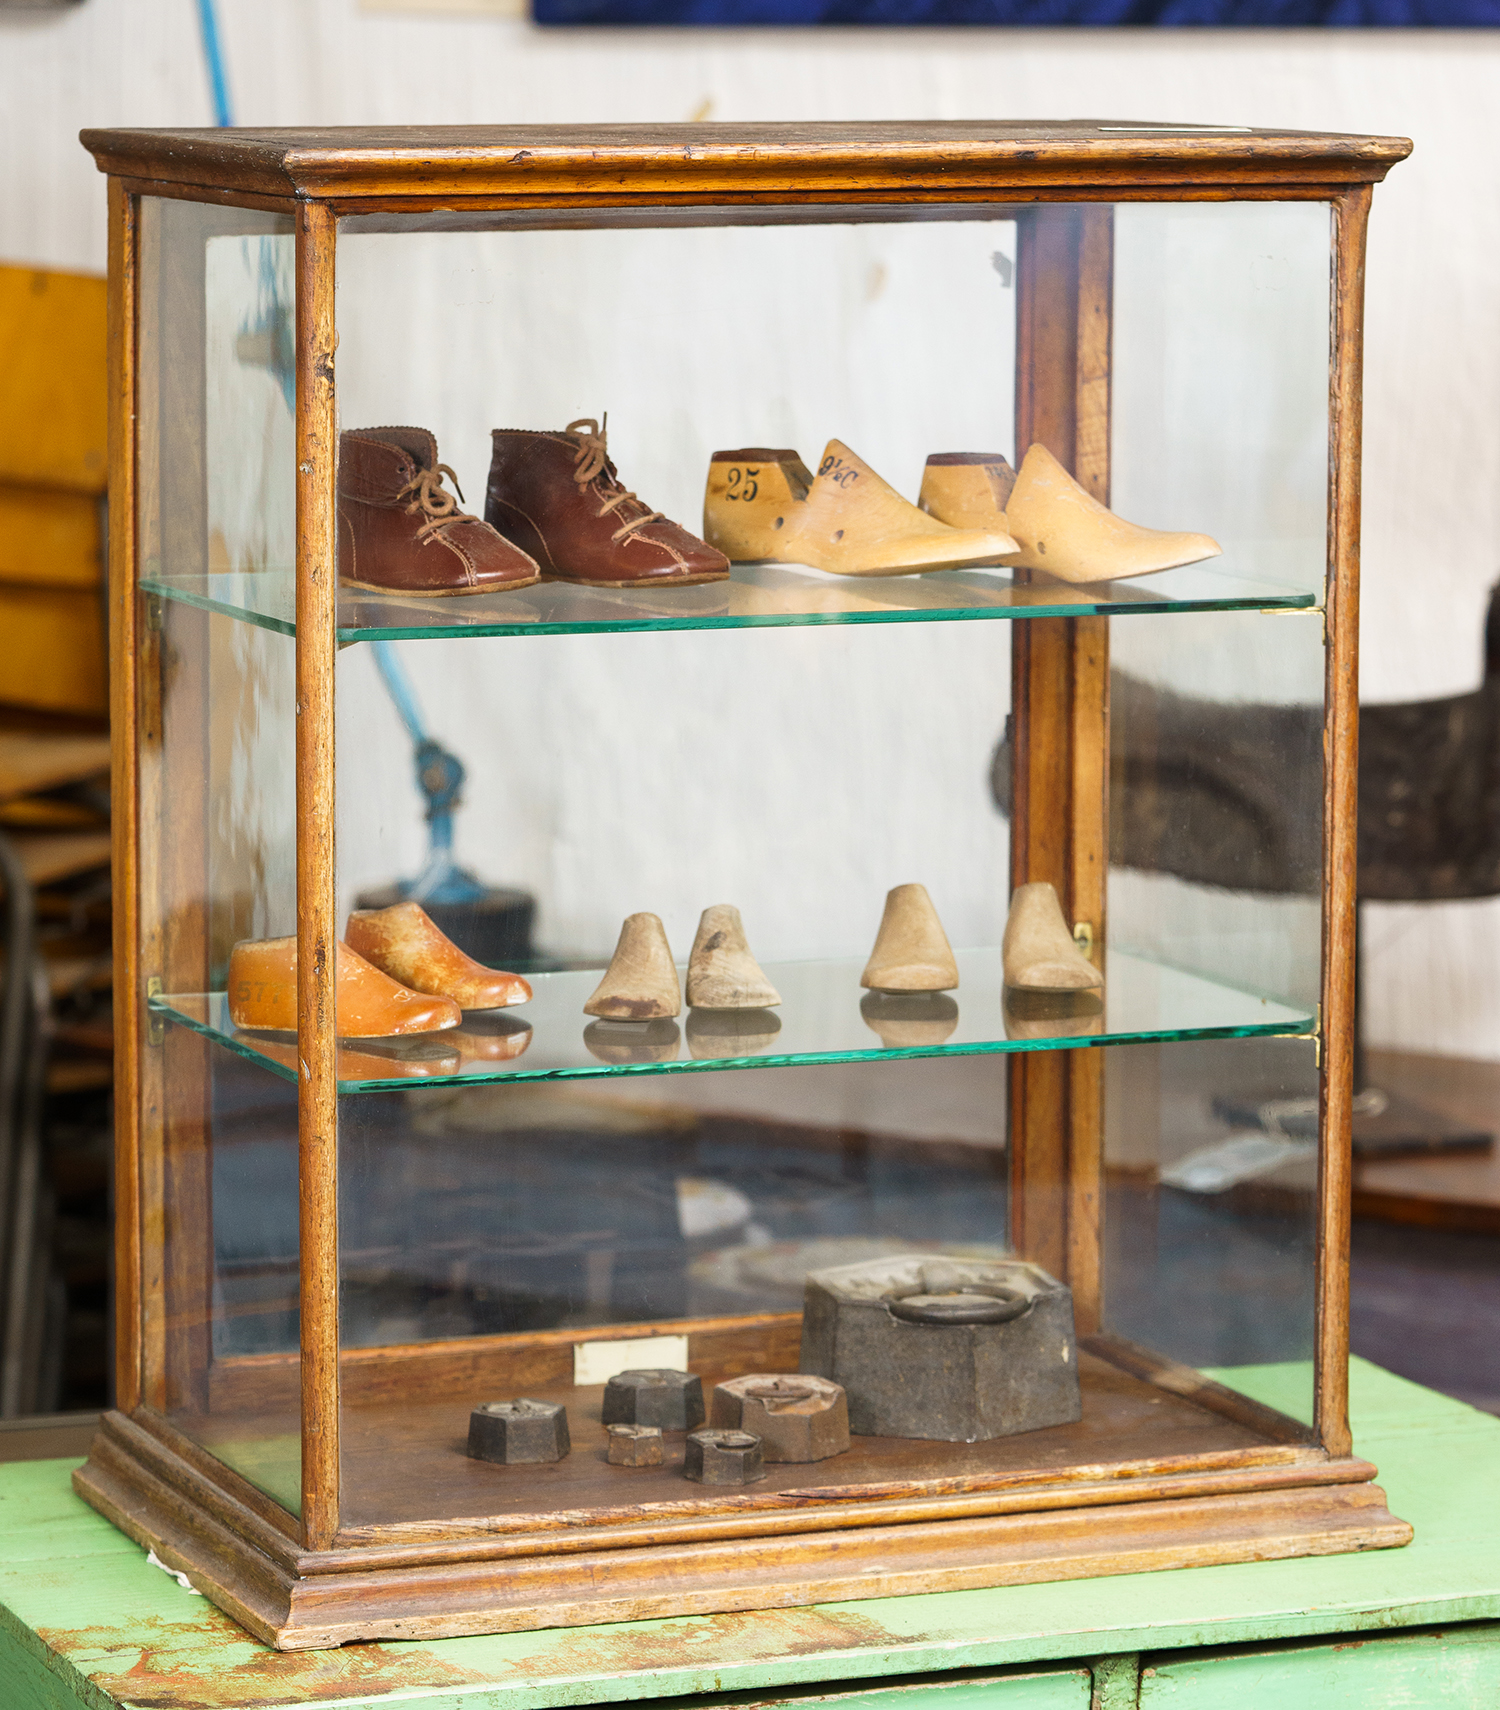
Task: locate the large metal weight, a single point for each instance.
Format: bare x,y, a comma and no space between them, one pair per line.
949,1349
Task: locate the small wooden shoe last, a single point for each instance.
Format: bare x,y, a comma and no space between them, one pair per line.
640,983
911,953
764,504
1058,527
367,1003
402,941
1038,951
722,974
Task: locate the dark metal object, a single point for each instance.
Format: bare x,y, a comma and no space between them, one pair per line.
797,1416
723,1457
520,1432
634,1446
656,1396
1198,789
915,1343
964,1305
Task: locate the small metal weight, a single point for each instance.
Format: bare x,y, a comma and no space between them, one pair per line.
672,1401
723,1457
952,1350
798,1417
518,1432
634,1446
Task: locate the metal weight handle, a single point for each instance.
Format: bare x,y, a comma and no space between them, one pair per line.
971,1303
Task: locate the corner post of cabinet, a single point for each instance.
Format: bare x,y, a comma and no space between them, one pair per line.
1060,746
317,936
124,643
1351,212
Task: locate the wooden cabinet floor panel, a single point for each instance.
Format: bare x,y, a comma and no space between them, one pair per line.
408,1463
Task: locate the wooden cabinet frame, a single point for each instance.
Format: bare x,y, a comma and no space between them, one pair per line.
309,1581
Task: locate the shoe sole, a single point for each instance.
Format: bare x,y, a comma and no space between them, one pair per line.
639,581
436,593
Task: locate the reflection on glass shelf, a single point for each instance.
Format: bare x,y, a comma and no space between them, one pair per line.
755,596
824,1017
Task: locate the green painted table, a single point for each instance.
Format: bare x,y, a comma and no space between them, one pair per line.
85,1620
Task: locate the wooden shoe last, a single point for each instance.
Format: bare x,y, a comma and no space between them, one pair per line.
1038,951
1058,527
402,941
1066,532
722,974
764,504
640,983
367,1003
911,953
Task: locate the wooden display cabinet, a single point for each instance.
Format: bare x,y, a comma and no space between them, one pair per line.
315,1488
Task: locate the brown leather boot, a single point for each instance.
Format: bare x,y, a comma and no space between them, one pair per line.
556,495
401,532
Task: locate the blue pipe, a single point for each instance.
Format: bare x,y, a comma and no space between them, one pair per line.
209,24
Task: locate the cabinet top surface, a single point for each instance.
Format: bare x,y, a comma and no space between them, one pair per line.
353,163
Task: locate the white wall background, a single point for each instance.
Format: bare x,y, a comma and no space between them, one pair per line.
1432,468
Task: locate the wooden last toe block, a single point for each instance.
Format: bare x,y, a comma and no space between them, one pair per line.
912,952
640,983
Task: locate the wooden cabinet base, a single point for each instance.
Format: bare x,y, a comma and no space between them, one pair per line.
234,1546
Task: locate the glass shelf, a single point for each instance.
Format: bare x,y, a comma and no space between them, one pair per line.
755,596
824,1017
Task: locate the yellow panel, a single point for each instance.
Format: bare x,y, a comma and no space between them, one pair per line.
52,379
53,652
49,540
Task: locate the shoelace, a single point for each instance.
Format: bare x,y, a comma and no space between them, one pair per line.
426,494
592,461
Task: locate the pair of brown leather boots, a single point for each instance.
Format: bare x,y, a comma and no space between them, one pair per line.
555,507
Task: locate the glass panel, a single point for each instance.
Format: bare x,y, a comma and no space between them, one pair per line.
823,1017
1220,379
1216,800
825,738
516,1214
1211,1219
756,596
217,859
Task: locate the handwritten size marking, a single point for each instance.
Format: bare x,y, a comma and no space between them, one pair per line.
750,487
839,472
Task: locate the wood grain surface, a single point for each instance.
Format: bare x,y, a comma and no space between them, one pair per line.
416,166
1340,814
317,897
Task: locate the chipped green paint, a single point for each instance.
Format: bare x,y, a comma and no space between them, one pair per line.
80,1602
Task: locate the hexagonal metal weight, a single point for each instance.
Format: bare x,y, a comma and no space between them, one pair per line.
634,1446
797,1416
519,1432
953,1350
672,1401
723,1457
